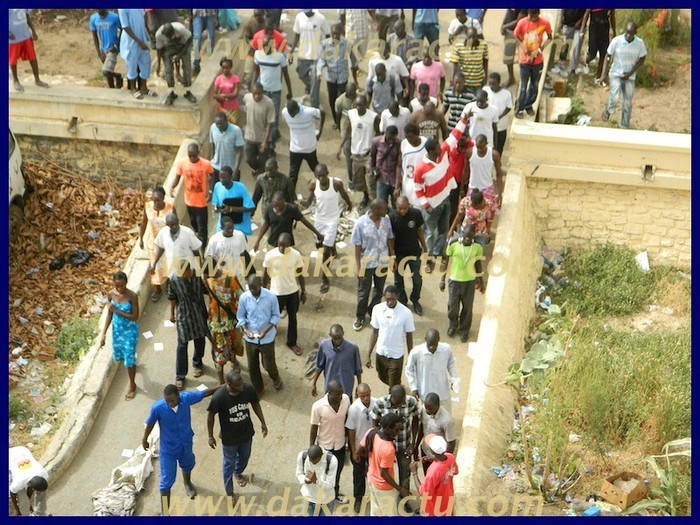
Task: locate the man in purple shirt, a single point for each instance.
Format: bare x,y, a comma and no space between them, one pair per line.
385,156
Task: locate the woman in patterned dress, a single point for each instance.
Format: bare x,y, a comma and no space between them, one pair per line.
154,214
224,291
123,314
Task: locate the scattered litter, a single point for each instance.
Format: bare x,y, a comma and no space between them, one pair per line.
202,387
38,432
49,205
24,320
574,438
253,226
33,271
341,245
21,361
127,453
60,18
39,311
17,303
93,236
608,507
79,257
502,470
592,511
158,347
642,260
313,254
168,323
667,311
57,263
653,308
17,351
148,335
105,207
35,392
583,120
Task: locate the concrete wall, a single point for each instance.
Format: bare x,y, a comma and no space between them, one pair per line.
128,164
588,186
509,306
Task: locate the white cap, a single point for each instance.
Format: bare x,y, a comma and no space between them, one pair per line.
436,443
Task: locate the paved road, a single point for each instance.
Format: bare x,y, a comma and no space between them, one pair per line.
120,424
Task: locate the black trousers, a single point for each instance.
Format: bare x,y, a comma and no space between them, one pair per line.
334,91
359,477
500,141
412,266
295,160
181,365
340,456
291,302
199,219
364,287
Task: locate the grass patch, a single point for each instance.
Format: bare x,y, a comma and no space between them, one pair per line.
76,337
578,108
18,407
605,281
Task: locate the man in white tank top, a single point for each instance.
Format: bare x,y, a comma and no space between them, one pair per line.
412,152
327,192
482,161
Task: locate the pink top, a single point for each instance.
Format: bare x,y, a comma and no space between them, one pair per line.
226,87
431,75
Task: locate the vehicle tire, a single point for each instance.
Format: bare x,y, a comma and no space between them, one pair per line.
16,219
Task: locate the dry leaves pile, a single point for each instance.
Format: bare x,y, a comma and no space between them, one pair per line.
62,215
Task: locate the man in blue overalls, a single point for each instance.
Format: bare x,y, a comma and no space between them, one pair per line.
172,413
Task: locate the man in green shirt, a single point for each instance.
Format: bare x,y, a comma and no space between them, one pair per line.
465,276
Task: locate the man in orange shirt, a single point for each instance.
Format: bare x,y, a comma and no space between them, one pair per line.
196,171
378,446
530,33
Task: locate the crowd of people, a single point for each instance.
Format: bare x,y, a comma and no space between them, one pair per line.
422,142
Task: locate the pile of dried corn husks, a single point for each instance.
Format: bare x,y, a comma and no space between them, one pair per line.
65,212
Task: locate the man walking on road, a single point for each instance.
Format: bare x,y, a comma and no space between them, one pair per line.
303,139
393,329
357,424
427,369
231,405
339,360
258,315
310,27
328,416
409,243
172,413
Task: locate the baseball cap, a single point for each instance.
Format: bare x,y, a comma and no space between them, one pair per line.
436,443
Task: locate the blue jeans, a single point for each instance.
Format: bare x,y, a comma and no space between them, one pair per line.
436,226
235,461
276,97
429,31
626,89
386,193
529,79
198,25
482,239
321,512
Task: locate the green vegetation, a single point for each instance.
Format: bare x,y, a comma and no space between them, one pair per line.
606,281
77,335
18,407
585,389
577,109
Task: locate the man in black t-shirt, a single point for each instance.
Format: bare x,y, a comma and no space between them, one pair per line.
231,404
409,245
279,217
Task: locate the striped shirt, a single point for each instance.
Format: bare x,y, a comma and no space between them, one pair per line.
408,411
433,180
454,104
471,62
356,23
335,58
408,48
205,12
190,310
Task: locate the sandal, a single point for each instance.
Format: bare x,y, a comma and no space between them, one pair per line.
241,481
295,349
155,296
151,93
190,97
519,114
325,287
530,111
137,95
197,372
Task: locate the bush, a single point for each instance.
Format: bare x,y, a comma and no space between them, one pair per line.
605,281
578,108
77,335
18,407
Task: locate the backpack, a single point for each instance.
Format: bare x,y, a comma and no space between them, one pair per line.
305,454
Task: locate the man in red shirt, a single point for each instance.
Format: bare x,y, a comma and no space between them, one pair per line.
437,490
458,161
378,446
530,33
433,183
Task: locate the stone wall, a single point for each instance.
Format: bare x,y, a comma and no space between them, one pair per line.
577,214
129,164
509,307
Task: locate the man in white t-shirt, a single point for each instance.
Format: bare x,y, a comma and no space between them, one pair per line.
362,126
310,27
483,117
178,243
226,248
303,138
394,64
395,115
503,100
28,483
358,423
393,331
283,271
412,153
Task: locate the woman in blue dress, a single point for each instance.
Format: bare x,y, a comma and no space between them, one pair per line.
123,314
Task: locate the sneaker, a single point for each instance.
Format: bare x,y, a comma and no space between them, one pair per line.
190,97
341,498
451,331
358,324
417,308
